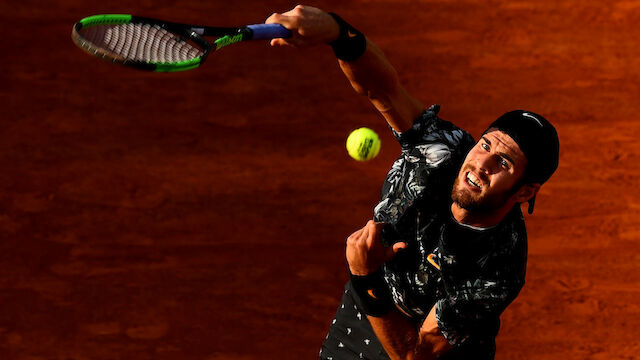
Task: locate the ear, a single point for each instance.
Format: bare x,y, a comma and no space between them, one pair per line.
526,192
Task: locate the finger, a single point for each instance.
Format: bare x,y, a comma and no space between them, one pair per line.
379,225
375,228
289,23
364,237
283,19
272,18
279,42
355,235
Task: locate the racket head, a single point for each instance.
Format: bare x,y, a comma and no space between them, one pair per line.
141,43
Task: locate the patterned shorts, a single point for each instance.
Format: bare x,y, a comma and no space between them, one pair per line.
350,334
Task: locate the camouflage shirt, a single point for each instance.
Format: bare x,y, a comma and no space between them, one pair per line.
469,274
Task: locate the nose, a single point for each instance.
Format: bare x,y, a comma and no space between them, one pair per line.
487,164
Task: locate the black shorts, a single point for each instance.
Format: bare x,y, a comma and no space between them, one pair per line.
351,337
350,334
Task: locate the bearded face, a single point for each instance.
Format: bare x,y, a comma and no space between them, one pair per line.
490,174
474,201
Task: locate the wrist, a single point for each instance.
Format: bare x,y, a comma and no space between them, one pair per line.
371,293
350,43
356,271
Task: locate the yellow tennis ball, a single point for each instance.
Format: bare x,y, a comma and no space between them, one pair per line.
363,144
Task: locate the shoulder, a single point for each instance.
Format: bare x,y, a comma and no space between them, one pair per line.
434,141
513,234
428,128
509,255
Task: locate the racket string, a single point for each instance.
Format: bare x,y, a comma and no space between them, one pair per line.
141,42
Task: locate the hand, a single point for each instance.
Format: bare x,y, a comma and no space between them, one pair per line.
308,26
365,252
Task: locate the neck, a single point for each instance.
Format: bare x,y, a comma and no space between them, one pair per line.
482,219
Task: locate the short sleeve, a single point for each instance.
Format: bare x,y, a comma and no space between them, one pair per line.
432,151
427,122
433,141
470,313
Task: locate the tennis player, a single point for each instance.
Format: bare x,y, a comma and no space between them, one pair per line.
446,250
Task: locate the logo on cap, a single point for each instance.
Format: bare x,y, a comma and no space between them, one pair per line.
532,117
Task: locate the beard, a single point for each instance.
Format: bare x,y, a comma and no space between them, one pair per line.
471,202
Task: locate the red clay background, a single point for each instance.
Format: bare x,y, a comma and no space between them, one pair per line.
202,215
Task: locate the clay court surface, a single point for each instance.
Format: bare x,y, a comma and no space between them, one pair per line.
202,215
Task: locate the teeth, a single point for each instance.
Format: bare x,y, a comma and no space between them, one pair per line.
473,180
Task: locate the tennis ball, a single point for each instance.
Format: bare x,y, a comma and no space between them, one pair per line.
363,144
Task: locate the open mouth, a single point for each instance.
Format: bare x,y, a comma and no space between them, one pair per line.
474,181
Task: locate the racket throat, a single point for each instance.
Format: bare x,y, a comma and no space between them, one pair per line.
240,35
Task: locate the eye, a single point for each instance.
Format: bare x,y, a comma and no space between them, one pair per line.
485,146
504,163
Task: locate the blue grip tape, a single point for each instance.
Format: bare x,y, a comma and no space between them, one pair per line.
269,31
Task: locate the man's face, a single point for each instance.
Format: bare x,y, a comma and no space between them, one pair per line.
489,175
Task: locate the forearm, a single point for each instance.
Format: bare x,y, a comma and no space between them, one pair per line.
396,334
370,73
373,76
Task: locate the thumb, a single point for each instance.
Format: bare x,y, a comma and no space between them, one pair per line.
393,250
282,19
399,246
273,18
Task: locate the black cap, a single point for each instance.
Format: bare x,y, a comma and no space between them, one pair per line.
537,139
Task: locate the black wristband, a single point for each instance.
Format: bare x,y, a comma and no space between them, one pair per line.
371,294
350,44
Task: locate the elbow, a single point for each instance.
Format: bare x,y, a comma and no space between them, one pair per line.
380,99
407,351
425,345
380,85
359,88
381,102
431,344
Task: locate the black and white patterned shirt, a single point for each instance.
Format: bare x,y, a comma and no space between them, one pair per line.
469,274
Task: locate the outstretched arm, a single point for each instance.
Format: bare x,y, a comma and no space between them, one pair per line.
370,75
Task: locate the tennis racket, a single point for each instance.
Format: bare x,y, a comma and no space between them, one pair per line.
156,45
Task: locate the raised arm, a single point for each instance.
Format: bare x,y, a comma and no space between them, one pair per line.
370,74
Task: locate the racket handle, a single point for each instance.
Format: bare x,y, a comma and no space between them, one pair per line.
269,31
